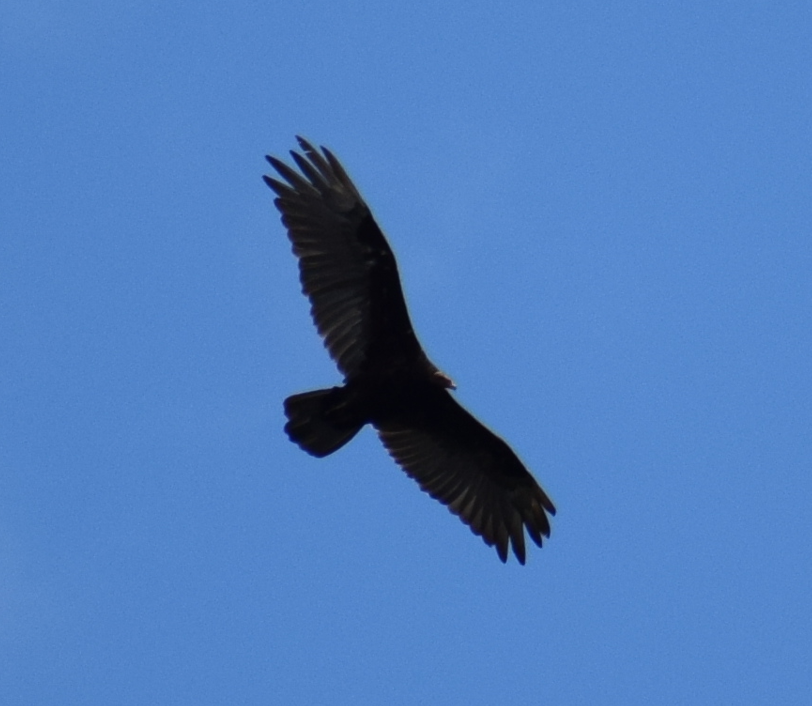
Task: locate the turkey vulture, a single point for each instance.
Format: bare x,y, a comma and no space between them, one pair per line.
349,273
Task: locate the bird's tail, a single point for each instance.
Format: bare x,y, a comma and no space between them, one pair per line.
318,422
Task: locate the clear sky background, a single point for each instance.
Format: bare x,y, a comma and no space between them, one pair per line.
603,219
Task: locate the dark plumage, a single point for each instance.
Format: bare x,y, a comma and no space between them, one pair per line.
349,273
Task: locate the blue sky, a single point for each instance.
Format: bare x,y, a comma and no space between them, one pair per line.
602,217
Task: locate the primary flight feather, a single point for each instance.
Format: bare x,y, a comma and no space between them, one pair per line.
349,273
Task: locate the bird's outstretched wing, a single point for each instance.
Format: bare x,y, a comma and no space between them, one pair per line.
346,267
464,465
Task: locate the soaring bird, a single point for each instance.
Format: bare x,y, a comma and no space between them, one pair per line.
350,276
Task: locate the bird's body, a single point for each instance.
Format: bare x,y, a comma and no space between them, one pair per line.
350,275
